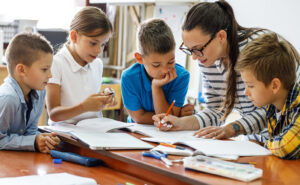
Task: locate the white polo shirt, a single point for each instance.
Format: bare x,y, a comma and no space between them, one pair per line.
76,82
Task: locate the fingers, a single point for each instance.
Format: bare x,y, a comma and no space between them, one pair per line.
158,117
173,73
46,142
210,132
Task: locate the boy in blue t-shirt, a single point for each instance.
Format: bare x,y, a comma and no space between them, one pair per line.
29,59
151,85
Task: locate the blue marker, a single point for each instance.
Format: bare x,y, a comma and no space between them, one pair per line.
75,158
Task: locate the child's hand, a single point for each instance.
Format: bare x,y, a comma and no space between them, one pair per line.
170,76
46,142
187,110
95,102
169,122
111,101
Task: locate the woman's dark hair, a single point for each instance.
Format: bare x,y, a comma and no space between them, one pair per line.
211,18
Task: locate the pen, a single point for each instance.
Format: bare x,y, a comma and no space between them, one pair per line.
173,146
253,163
167,112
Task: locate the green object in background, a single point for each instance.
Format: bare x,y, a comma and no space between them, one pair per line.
105,80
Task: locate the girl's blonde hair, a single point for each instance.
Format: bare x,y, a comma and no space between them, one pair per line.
88,19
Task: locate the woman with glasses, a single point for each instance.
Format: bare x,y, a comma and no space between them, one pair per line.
212,36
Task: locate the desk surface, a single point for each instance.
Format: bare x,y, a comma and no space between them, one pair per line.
14,164
275,170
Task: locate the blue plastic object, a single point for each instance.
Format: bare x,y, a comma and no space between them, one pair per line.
155,154
57,161
75,158
200,98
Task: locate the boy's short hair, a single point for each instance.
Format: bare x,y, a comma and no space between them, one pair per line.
154,36
270,56
24,48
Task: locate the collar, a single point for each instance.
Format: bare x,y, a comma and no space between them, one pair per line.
70,59
33,94
290,102
145,79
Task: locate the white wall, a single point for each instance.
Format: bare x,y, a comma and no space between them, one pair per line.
281,16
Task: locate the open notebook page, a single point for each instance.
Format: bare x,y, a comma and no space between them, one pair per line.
212,147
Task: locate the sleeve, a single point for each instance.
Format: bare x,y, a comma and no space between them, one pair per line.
252,122
56,71
129,94
179,90
211,115
12,141
255,121
286,145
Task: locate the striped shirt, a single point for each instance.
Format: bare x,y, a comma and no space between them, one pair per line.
284,132
214,91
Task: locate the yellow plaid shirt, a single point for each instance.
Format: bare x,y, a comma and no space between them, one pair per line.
284,133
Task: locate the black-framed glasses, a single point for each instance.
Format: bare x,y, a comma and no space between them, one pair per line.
198,52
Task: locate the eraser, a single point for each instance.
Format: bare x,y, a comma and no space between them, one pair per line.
57,161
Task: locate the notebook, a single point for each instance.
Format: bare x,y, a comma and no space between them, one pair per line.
48,179
212,147
153,131
100,134
95,124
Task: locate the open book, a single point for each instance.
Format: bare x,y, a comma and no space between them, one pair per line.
212,147
153,131
100,134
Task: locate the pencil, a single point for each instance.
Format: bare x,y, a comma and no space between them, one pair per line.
167,112
172,146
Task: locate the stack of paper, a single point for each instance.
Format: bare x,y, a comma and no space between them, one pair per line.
49,179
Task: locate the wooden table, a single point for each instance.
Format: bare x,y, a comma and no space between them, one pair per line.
275,170
14,164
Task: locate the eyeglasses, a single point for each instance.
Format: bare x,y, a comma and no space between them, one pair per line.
198,52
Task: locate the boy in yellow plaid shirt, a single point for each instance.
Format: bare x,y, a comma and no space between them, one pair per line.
268,68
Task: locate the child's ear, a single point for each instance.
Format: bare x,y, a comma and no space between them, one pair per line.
276,85
73,36
138,58
20,69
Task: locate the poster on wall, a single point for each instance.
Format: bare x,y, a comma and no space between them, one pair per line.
174,15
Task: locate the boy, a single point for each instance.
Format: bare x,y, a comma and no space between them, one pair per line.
151,85
268,68
29,58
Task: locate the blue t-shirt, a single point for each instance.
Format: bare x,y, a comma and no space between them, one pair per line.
137,93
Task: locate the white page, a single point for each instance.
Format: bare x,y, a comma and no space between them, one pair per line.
221,147
102,124
217,148
153,131
88,125
49,179
100,141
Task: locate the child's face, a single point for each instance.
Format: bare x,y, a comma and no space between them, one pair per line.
36,76
259,94
158,65
88,48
